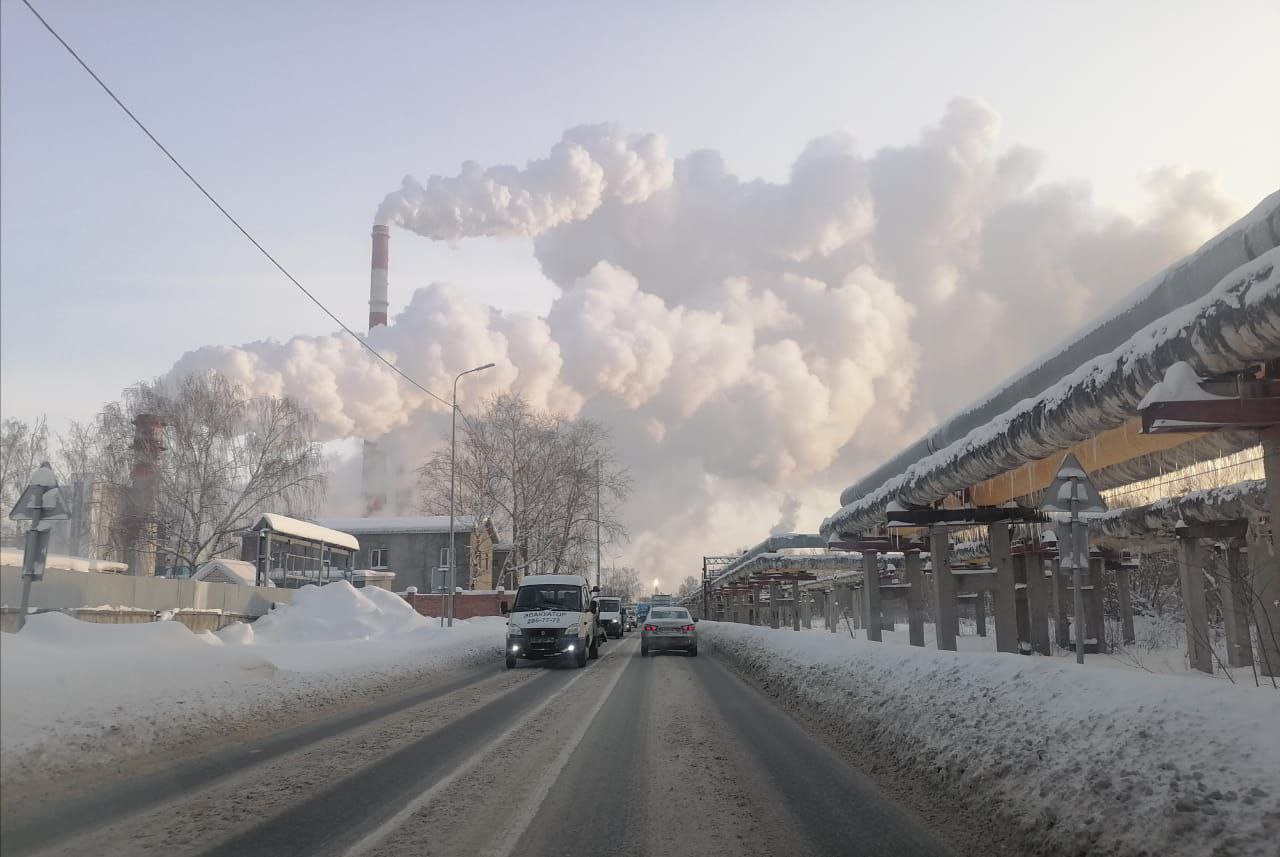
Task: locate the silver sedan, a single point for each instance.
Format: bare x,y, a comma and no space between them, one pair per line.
667,629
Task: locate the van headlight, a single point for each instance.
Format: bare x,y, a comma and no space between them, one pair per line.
515,631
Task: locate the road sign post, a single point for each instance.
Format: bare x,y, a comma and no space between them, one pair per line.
41,504
1073,498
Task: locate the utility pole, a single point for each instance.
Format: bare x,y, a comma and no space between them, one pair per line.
597,523
453,457
704,588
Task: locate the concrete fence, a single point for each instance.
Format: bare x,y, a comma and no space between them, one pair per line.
118,597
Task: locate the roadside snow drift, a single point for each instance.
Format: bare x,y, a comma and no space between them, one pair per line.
1069,761
75,694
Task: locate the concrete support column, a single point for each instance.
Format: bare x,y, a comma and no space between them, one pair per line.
1003,598
915,598
844,605
871,595
1194,609
1095,624
1233,592
1038,604
829,602
947,621
980,613
806,611
775,605
1264,561
1126,607
795,605
1061,608
1020,602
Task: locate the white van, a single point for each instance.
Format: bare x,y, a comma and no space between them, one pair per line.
553,615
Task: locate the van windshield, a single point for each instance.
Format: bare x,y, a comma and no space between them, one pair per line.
610,605
548,596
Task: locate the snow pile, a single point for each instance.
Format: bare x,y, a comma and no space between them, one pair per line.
1103,762
338,611
76,695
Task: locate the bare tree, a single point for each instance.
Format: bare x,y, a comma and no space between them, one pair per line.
621,582
690,585
23,446
536,475
222,458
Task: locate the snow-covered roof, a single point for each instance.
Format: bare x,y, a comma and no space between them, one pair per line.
287,526
236,571
13,557
421,524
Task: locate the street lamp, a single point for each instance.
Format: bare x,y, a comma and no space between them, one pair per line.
655,586
453,457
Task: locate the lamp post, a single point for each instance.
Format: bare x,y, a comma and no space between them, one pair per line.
453,458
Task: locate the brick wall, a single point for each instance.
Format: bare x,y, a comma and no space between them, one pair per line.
465,606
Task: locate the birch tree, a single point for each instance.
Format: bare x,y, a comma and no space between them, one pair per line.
535,475
227,458
23,447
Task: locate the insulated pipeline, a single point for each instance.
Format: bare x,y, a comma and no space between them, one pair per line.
1236,325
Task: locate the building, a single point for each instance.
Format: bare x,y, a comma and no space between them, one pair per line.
508,566
416,549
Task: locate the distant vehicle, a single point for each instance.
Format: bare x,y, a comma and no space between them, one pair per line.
661,599
610,616
553,615
667,629
642,610
629,616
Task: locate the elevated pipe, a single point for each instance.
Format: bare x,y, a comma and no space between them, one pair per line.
1178,285
1236,325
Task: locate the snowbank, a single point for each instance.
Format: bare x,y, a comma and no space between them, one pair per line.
1070,761
76,694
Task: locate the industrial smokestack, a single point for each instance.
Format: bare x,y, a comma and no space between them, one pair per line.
378,277
140,528
373,471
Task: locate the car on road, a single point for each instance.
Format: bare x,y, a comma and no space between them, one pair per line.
610,616
669,629
554,615
642,610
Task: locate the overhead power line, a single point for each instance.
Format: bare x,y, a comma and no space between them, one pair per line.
245,232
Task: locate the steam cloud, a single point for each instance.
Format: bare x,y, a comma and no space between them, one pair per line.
753,345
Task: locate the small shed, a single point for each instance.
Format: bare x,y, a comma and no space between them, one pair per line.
294,553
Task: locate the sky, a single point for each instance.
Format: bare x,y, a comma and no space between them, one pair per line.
301,117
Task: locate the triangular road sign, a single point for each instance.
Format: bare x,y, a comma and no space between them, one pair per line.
42,498
1072,482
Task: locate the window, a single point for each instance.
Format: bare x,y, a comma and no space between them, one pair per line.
669,614
377,558
444,557
549,596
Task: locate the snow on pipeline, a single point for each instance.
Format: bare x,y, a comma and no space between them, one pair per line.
75,695
1067,761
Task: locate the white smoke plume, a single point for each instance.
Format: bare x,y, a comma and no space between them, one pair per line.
592,163
754,346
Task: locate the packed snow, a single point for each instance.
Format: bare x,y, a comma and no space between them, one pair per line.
76,694
1069,760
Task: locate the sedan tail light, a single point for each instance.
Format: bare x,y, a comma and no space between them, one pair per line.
687,628
650,627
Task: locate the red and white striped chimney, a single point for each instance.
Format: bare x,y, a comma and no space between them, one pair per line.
378,277
373,471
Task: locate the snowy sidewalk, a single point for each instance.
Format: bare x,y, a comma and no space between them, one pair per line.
1106,762
75,694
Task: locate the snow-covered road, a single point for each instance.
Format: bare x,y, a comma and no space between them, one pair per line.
631,756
